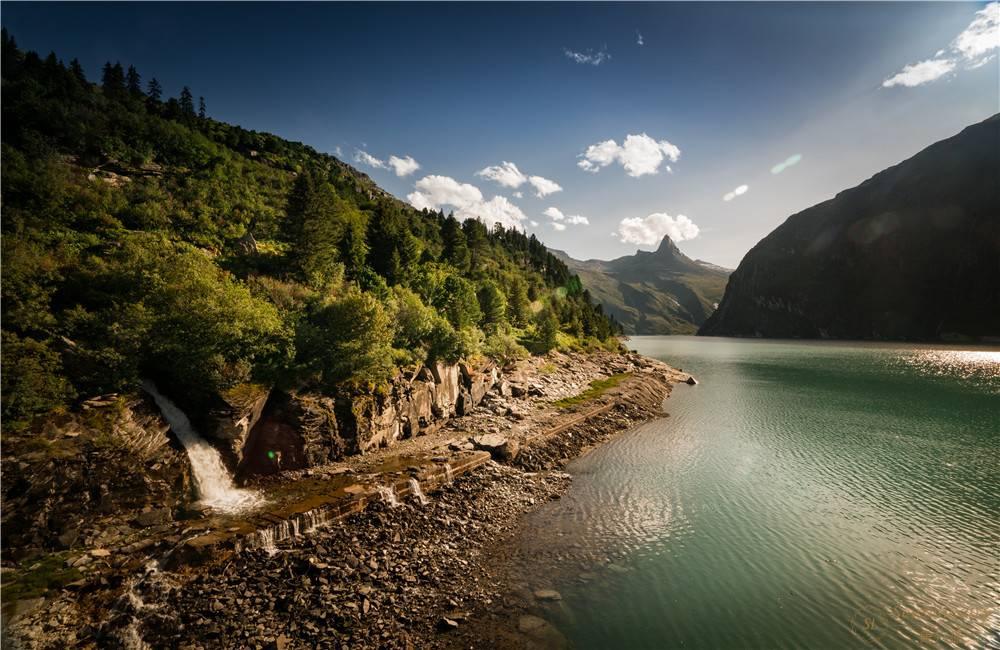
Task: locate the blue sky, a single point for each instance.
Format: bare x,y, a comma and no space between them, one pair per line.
720,93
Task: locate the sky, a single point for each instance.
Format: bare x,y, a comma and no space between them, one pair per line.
598,127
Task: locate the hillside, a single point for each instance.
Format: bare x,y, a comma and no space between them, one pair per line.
913,253
663,292
141,238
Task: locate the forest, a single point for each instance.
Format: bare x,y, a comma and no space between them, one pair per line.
142,238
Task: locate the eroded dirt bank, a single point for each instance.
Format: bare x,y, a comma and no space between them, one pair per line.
411,575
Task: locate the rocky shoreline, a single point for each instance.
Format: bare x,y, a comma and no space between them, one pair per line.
423,573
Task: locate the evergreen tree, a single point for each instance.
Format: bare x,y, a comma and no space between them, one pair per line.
133,81
493,304
547,326
77,70
456,252
201,108
154,90
187,102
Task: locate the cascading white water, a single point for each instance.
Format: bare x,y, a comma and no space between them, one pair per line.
388,495
417,491
212,480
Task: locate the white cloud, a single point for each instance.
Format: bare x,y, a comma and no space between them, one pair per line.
982,35
434,192
366,158
650,230
518,195
638,38
556,215
543,186
506,174
558,226
403,166
338,152
589,57
638,154
974,45
786,163
729,196
920,73
534,224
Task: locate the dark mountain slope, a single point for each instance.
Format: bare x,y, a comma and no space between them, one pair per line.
663,292
913,253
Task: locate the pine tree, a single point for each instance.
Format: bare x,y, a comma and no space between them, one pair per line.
154,90
187,101
113,80
201,108
456,251
133,81
77,70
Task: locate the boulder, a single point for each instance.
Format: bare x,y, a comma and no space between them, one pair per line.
500,447
231,421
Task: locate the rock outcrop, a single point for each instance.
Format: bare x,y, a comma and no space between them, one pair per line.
913,253
300,430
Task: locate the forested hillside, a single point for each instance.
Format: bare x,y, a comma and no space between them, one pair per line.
141,238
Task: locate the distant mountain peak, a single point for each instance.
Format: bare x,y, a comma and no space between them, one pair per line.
668,247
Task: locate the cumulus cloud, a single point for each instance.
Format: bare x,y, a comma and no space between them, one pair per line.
786,163
577,220
543,186
974,46
534,224
518,195
729,196
651,229
638,154
506,174
589,57
435,192
920,73
556,215
558,226
366,158
403,166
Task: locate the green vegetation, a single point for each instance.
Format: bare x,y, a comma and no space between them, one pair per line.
597,388
141,238
47,574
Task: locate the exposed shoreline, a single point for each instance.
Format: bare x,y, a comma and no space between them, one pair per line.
409,576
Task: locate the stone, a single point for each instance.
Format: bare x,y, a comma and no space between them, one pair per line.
500,447
447,624
100,552
691,381
154,517
547,594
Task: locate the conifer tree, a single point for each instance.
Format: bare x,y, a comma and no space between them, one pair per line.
77,70
154,90
133,81
201,108
187,101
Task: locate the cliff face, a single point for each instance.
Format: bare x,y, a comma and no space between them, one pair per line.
913,253
660,292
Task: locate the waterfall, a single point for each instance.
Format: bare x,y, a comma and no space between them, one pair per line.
388,496
212,480
417,492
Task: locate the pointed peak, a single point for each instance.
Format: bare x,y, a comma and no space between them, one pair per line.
667,246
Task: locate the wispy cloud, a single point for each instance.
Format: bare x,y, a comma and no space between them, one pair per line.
638,38
435,192
401,166
973,47
555,214
651,229
786,163
588,57
638,154
508,175
739,191
916,74
365,158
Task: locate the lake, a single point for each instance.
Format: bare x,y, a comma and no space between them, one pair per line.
803,495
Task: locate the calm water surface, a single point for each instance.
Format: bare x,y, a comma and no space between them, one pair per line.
817,495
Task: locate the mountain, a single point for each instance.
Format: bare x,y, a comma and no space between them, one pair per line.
663,292
143,239
913,253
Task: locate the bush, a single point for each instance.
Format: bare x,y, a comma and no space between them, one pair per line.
32,379
503,347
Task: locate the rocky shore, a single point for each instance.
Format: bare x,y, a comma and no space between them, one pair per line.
426,572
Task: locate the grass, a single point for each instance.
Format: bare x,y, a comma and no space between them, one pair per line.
597,388
48,574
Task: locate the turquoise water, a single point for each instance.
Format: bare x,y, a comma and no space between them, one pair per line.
803,495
